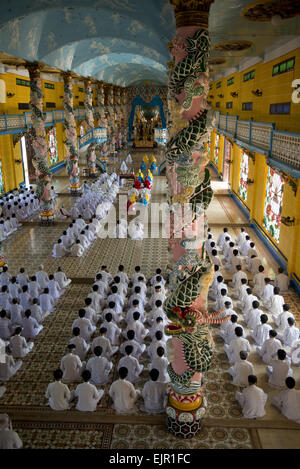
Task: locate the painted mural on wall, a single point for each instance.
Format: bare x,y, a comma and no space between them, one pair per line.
217,139
244,169
273,203
52,144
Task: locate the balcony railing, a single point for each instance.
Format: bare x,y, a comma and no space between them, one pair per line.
22,121
263,138
97,135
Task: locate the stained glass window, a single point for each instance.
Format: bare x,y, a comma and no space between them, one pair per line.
273,203
53,147
1,179
244,168
217,137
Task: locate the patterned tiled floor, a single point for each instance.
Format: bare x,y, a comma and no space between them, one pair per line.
32,245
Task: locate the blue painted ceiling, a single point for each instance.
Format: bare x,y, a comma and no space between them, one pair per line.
121,41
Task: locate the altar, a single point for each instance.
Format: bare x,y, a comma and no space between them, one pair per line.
146,118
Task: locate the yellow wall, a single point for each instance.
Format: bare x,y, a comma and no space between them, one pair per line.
289,241
275,89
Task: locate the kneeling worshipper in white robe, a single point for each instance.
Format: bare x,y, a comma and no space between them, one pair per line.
136,230
58,393
9,367
33,287
236,279
288,401
241,370
88,395
118,299
18,346
136,307
117,318
261,332
123,394
86,327
159,325
252,317
16,312
160,362
71,365
138,349
222,299
42,277
47,303
236,346
36,311
282,281
82,347
154,394
99,366
158,342
241,237
107,349
279,370
277,302
31,328
290,333
54,289
77,249
59,249
9,439
252,399
267,293
259,281
24,297
6,327
155,312
90,313
22,278
138,327
227,332
131,363
113,331
281,319
270,347
62,279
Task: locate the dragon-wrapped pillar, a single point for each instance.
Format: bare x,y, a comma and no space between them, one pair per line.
110,115
89,119
40,147
190,348
100,113
71,136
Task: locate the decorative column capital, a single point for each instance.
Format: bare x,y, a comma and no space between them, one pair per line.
33,69
191,12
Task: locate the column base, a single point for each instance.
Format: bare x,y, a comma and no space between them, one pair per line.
47,217
185,414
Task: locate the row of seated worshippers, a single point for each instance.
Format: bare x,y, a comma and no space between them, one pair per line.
275,345
25,302
77,238
119,305
96,199
20,204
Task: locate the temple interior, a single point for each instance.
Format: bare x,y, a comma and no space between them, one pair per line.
213,121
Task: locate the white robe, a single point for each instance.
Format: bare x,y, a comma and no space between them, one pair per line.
71,367
261,333
138,327
133,366
88,397
161,364
19,347
259,283
107,349
100,368
154,394
62,279
252,400
59,250
9,367
86,328
82,347
42,279
138,349
235,347
281,319
289,335
31,328
59,396
113,332
124,396
288,402
269,349
282,281
252,317
46,302
240,372
278,371
276,304
267,295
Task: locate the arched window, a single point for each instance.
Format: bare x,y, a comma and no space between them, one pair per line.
244,169
53,147
273,203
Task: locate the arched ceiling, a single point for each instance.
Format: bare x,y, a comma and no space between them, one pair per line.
123,41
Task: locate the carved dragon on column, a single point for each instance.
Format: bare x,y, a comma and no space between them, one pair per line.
71,136
89,118
191,345
39,144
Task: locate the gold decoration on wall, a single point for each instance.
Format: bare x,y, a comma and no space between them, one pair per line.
264,10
